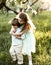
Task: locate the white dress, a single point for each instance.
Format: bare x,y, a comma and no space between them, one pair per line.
29,43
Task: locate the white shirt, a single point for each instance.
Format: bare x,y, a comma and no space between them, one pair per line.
16,41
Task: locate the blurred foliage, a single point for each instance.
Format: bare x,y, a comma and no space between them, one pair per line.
42,21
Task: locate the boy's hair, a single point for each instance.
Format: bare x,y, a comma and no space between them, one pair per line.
15,22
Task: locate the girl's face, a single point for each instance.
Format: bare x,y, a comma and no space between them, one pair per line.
21,21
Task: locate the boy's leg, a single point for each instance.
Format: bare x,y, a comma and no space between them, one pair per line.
18,50
12,53
20,58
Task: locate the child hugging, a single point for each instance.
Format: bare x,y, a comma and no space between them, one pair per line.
23,39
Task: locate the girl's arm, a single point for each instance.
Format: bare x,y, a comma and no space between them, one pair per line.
27,27
20,33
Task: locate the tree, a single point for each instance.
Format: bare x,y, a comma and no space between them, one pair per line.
3,4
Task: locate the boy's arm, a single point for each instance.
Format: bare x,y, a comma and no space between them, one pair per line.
12,31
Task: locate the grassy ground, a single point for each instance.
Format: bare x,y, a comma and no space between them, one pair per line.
42,22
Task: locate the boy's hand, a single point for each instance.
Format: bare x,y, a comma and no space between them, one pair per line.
18,36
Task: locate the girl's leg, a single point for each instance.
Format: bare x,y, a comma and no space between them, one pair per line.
30,59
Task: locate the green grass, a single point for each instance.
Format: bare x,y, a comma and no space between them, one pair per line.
42,22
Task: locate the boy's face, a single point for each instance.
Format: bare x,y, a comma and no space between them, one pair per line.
15,27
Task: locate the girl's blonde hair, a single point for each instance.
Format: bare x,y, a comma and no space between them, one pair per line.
29,24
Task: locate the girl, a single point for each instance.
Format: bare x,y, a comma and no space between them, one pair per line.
29,41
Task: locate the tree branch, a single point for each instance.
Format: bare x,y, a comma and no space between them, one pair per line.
10,9
34,2
25,1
